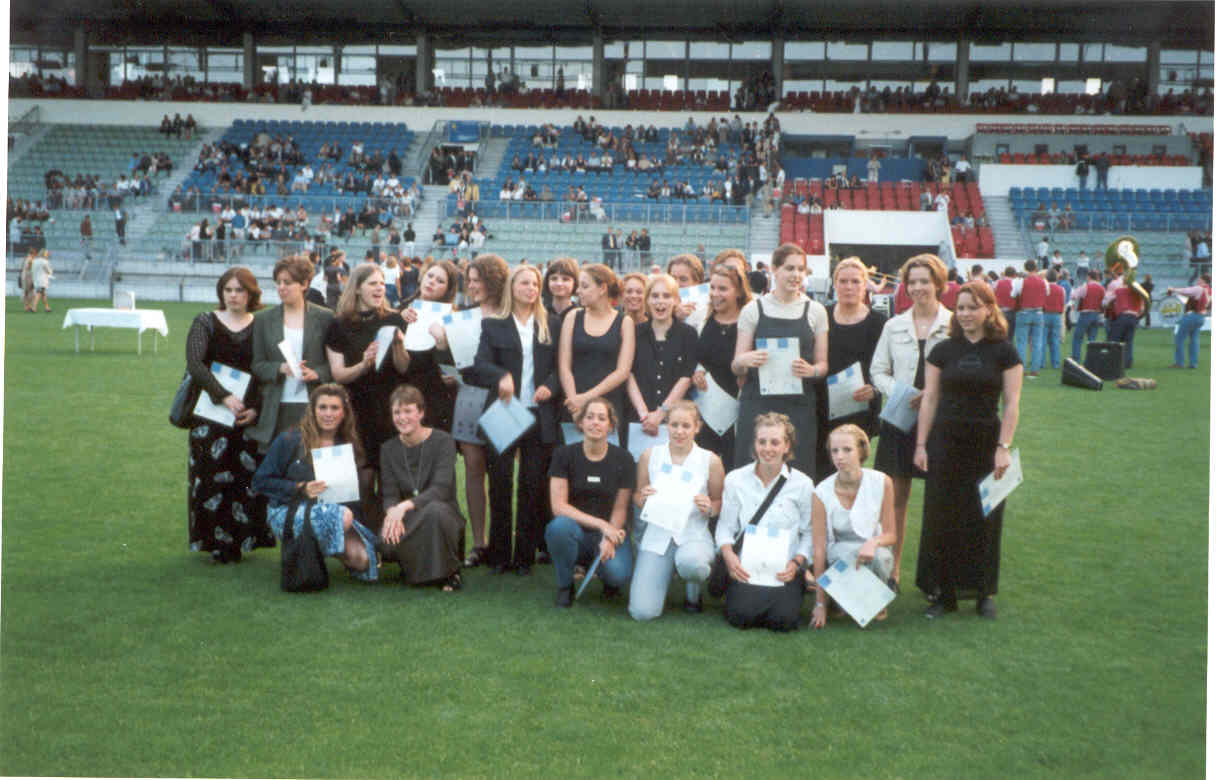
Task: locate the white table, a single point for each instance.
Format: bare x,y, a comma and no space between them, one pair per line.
138,320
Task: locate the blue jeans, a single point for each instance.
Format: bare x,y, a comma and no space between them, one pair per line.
1123,328
1087,325
651,579
1030,329
570,544
1188,330
1053,326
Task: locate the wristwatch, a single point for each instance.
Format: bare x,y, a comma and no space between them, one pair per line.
1002,444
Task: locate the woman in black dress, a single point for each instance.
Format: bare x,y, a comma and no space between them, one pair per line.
853,331
439,283
352,350
959,441
223,517
597,344
783,313
665,357
336,275
729,292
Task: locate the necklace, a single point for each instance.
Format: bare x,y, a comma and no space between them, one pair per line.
419,468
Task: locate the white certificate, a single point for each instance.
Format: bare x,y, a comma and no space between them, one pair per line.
505,421
898,410
294,362
336,466
233,380
718,408
765,553
468,407
857,590
670,510
462,331
418,339
699,295
385,339
572,434
638,441
776,375
992,491
840,388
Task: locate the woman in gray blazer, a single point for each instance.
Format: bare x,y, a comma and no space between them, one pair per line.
285,388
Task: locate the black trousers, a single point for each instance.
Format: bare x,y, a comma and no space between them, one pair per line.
506,545
756,606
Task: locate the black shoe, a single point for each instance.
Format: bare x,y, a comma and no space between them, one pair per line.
543,558
563,597
694,607
501,568
218,556
609,592
986,608
939,608
893,584
522,570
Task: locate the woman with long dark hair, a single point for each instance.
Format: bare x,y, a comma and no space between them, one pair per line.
729,293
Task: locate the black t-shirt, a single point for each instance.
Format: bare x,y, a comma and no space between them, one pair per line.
593,485
971,377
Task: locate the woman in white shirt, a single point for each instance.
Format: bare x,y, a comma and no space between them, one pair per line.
750,605
675,471
854,517
899,358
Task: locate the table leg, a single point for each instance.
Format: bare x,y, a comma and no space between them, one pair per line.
139,342
76,337
90,338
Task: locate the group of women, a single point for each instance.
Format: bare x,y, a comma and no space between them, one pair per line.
626,351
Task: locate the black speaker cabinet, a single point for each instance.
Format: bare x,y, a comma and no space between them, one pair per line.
1074,374
1104,359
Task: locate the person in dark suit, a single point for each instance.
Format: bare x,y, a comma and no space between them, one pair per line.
609,247
285,389
499,364
120,225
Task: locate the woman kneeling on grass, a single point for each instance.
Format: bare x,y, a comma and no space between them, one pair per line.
591,485
854,516
286,477
423,528
781,497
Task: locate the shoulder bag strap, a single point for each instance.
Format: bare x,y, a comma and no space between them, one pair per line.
767,502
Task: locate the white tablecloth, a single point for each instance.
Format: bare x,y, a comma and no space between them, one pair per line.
138,320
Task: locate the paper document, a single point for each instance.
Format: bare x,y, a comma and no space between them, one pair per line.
418,339
468,407
294,362
668,510
699,295
638,441
462,332
572,435
385,340
505,421
589,575
992,491
233,380
718,408
898,410
840,388
765,553
336,466
857,590
776,375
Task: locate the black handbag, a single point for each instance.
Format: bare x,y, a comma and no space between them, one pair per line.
182,409
302,565
718,580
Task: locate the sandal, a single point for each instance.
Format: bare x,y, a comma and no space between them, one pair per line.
478,557
452,583
810,582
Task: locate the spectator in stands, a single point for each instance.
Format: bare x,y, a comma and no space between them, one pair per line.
1082,171
1040,251
1102,164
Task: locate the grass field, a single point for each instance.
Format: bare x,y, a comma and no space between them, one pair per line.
122,653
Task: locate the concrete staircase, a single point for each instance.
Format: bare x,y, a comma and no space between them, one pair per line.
1010,242
492,156
764,232
428,215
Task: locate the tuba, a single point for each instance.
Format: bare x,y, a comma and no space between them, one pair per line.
1123,255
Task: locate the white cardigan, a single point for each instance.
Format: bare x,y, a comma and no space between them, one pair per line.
897,355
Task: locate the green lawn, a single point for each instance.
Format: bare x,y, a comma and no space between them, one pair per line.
122,653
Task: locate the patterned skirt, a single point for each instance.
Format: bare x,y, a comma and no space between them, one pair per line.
223,511
327,520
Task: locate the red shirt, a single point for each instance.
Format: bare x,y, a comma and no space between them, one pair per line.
1034,292
1055,300
1091,299
949,298
1004,293
903,301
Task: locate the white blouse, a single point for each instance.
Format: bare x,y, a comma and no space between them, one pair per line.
864,519
690,477
792,507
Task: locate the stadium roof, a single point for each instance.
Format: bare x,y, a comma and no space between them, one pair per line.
492,22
